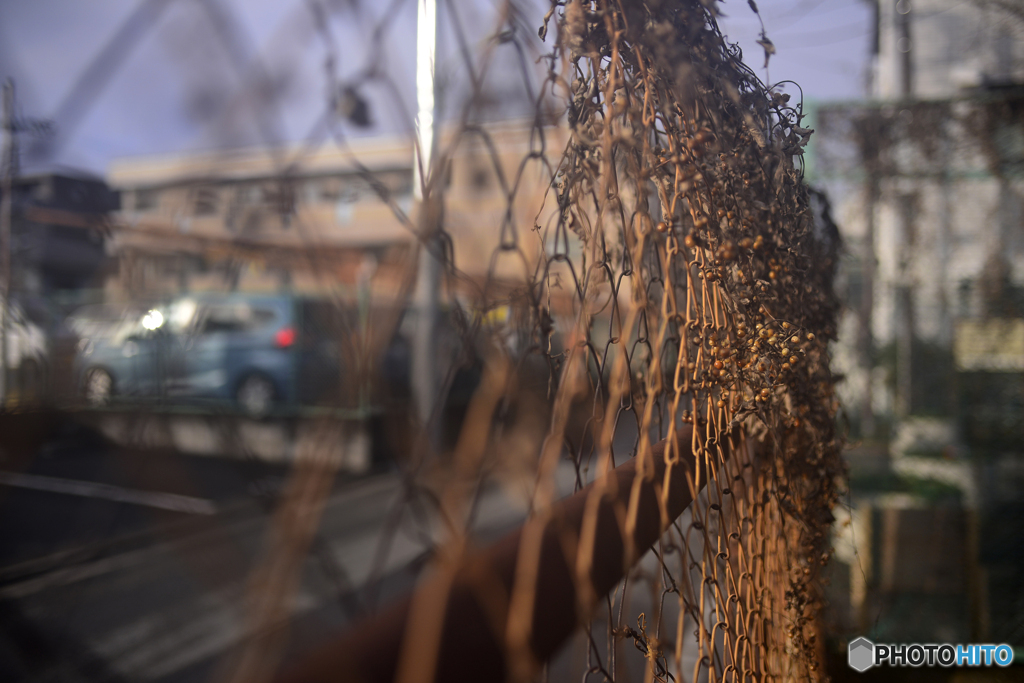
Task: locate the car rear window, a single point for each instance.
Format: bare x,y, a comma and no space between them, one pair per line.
321,320
236,317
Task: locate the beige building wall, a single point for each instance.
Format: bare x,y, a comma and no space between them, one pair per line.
321,218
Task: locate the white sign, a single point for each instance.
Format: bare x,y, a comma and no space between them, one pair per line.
995,345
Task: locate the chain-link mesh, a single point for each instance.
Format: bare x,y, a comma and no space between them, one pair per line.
680,278
646,263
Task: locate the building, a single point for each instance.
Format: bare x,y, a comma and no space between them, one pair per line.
929,177
321,218
341,220
938,49
932,168
58,225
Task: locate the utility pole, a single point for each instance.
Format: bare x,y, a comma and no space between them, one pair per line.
6,186
428,275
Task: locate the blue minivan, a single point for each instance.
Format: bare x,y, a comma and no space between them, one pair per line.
262,353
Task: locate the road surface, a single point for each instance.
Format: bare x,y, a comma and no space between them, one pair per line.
122,565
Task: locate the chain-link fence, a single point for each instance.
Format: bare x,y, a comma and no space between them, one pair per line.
635,298
680,293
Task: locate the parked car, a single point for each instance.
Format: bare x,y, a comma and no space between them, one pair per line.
55,380
263,352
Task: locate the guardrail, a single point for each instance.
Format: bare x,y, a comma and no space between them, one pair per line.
209,430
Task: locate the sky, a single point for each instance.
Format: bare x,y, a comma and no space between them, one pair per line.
201,74
824,45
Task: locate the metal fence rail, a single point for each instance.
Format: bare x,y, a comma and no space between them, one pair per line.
623,515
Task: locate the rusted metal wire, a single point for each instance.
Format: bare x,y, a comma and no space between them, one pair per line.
636,262
677,284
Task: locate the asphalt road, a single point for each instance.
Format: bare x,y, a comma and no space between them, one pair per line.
134,565
80,494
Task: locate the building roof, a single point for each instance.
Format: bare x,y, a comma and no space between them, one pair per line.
37,172
380,153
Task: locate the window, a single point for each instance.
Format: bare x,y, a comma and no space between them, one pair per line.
480,178
311,189
324,321
235,318
206,201
965,296
855,288
250,195
280,198
147,199
330,190
343,211
43,191
395,182
404,203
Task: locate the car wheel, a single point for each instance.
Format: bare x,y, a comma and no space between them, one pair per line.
32,383
99,387
255,396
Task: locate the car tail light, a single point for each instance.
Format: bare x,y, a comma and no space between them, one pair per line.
285,337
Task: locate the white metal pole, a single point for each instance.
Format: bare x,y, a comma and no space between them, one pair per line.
424,351
426,49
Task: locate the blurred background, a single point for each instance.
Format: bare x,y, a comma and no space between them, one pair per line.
211,270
